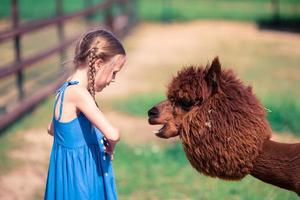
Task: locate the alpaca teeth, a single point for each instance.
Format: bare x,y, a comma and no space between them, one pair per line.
158,131
162,128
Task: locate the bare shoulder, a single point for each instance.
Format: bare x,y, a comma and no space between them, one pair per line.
78,93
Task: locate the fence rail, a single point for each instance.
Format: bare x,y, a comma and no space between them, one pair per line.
17,67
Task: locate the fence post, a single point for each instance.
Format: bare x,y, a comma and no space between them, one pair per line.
60,29
17,45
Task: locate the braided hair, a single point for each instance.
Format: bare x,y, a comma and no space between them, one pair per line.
92,72
93,45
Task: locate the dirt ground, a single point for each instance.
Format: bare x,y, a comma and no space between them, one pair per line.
154,53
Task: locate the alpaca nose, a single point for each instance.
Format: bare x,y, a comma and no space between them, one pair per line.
153,112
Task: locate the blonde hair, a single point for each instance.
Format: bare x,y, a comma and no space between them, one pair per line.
93,45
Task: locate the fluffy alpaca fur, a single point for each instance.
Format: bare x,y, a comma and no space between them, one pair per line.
224,131
223,128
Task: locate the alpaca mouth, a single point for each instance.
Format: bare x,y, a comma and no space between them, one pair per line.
160,131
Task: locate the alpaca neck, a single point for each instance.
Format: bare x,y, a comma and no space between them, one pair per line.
279,165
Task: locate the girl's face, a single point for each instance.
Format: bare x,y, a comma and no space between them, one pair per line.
106,72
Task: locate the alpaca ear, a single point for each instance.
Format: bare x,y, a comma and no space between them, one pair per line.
213,74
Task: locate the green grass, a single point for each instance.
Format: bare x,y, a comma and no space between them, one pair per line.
32,9
249,10
6,144
158,10
148,172
284,115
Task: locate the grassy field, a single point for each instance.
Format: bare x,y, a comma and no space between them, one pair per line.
41,9
166,174
158,10
249,10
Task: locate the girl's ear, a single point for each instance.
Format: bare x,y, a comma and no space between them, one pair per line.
98,63
213,74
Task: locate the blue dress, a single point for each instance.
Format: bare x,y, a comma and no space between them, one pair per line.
78,168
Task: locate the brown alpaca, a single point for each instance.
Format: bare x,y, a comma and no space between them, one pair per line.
223,128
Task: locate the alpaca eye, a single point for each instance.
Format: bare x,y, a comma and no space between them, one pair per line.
186,105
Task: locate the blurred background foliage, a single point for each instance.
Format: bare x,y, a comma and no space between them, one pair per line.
159,10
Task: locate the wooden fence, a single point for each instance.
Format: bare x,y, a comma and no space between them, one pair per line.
119,24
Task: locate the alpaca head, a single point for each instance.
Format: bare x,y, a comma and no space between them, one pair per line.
220,122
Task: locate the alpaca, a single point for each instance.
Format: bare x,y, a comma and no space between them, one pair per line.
223,128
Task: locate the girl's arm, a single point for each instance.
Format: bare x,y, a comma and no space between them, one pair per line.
50,128
86,104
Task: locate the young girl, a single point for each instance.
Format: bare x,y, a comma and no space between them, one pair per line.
84,140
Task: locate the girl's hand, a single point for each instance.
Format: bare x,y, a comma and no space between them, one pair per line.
110,147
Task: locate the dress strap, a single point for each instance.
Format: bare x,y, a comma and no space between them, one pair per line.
61,93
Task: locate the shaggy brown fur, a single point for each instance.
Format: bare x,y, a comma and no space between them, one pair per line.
223,135
223,128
